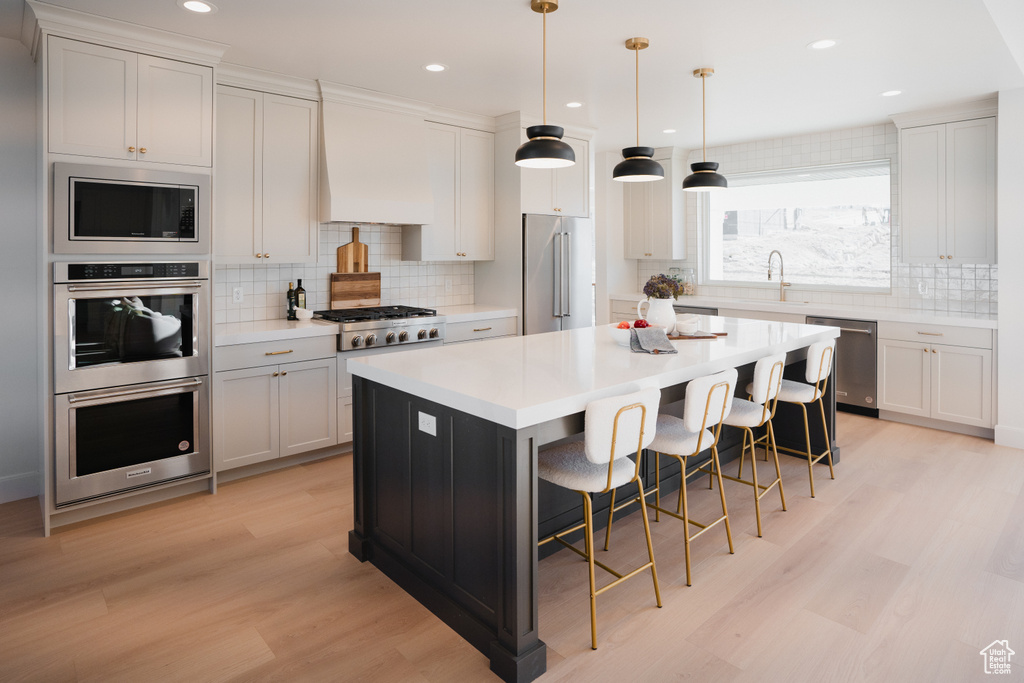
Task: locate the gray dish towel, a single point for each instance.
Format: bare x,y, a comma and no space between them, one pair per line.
650,340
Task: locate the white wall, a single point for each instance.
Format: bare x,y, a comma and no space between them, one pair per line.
20,418
1010,360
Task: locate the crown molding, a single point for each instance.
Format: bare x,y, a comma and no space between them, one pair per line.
461,119
371,99
43,19
960,111
239,76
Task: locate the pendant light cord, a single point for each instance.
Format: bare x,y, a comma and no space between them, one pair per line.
637,51
703,118
544,67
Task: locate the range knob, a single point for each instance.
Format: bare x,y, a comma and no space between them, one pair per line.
422,334
371,339
434,334
390,338
403,336
356,342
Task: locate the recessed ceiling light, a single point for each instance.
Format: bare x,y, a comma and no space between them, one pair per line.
891,93
435,67
574,105
822,44
198,6
669,130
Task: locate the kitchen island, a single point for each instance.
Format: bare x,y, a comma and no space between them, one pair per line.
446,496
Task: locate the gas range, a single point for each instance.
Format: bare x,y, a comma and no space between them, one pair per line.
385,326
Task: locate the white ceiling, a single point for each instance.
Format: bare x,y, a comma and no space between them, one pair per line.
767,82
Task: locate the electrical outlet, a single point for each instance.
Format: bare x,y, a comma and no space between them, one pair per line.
237,295
428,424
448,285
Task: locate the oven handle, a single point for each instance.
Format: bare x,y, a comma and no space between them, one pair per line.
134,285
148,389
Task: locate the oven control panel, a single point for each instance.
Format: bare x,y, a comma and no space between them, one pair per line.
131,271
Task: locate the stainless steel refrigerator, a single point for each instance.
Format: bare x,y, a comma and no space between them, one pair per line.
558,290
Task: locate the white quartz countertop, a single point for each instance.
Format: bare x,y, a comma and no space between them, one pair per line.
470,312
229,334
523,381
827,310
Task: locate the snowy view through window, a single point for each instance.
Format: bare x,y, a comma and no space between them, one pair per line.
830,223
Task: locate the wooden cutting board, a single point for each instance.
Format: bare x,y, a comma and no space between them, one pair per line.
349,290
354,256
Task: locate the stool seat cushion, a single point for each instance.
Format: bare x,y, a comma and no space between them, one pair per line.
674,438
568,466
746,414
797,392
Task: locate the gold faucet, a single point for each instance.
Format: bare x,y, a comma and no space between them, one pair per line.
782,275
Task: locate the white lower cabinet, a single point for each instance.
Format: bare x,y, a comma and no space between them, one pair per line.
940,381
272,411
478,330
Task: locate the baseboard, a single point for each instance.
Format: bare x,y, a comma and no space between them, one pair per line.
19,486
1009,436
945,426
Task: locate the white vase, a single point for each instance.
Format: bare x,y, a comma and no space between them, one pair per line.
659,312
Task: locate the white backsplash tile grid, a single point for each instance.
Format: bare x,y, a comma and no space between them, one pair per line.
409,283
968,290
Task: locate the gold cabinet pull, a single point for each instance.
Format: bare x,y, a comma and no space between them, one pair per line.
131,149
142,150
941,256
266,255
275,374
481,329
278,353
931,334
259,255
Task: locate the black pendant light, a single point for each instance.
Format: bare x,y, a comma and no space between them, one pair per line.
705,176
545,149
637,166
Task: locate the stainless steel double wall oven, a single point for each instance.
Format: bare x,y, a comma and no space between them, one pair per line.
131,375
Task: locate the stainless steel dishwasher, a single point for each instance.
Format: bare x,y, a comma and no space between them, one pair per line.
856,353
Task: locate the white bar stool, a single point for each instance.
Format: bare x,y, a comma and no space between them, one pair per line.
755,413
819,366
706,403
615,428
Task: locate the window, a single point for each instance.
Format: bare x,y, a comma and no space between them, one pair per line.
831,223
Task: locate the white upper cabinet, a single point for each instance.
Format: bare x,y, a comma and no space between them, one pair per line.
653,214
948,192
462,181
559,191
116,104
265,182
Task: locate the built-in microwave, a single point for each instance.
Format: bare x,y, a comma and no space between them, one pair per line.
124,210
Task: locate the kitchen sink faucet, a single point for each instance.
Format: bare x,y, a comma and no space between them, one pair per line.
782,275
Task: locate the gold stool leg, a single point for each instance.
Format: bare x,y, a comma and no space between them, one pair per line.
828,444
686,520
589,543
753,470
775,453
650,545
657,486
611,513
810,456
743,453
721,491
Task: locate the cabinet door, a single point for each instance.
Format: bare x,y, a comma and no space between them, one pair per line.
572,184
971,191
309,405
961,388
345,430
238,176
537,188
439,242
476,195
91,99
637,209
923,193
904,377
246,419
175,110
290,165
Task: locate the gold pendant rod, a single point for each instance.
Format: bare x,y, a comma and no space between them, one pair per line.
545,67
637,97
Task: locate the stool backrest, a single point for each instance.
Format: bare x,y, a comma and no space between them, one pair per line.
819,360
619,426
768,378
708,400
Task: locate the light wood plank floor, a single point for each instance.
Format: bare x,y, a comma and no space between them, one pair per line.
903,568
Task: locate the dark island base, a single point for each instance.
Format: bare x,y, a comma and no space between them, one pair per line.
454,518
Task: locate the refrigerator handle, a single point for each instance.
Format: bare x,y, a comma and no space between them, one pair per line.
567,282
557,299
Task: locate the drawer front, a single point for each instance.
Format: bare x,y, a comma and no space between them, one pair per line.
936,334
273,353
623,310
475,330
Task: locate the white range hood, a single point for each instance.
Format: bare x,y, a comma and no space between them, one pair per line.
374,166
